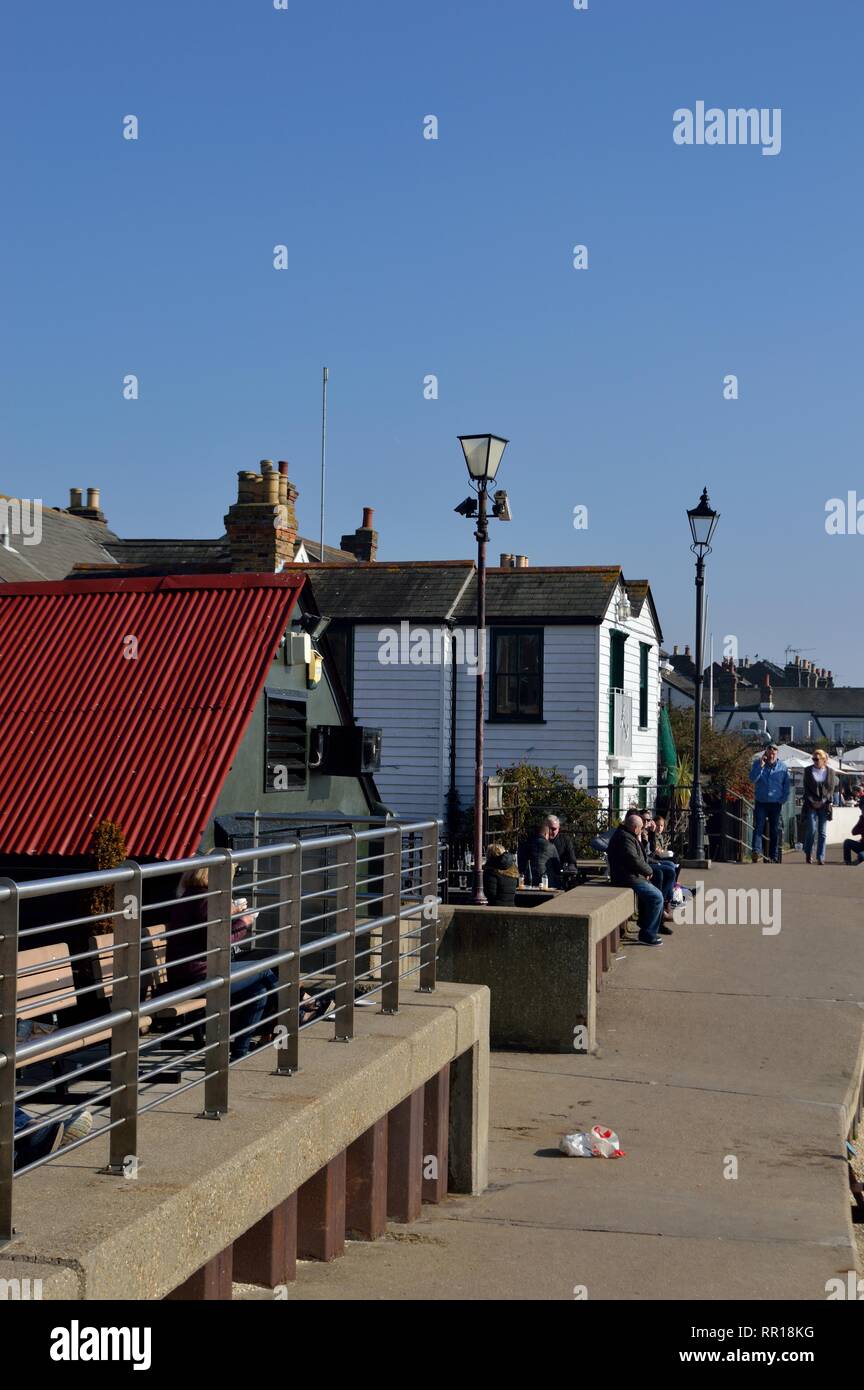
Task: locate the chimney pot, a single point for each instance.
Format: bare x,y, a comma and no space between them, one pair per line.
521,562
675,650
93,498
506,560
686,651
362,543
75,495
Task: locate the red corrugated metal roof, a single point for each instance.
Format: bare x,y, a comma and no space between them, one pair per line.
88,733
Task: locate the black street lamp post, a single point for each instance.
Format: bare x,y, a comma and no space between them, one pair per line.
483,454
703,521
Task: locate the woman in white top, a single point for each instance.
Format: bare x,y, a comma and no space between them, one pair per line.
819,783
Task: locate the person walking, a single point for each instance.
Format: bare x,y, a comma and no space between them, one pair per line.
770,778
628,868
819,783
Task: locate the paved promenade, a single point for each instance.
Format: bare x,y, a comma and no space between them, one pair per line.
728,1046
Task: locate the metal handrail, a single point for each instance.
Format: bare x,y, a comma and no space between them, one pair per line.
347,951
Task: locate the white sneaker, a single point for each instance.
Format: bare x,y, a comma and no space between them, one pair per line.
77,1128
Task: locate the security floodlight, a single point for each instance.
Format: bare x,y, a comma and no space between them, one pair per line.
468,507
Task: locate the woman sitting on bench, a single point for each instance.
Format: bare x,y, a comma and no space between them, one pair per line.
187,961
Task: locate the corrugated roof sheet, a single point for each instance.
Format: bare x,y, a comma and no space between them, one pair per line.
90,734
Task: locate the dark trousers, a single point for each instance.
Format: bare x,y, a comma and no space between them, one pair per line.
249,999
663,875
853,847
770,810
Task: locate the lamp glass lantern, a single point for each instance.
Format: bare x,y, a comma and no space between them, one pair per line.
703,521
483,453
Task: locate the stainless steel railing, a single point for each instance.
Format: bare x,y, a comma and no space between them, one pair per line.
338,917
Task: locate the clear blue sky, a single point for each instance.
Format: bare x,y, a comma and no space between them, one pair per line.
454,257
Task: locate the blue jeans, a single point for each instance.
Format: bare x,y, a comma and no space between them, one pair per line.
664,877
817,822
772,810
650,901
35,1145
251,995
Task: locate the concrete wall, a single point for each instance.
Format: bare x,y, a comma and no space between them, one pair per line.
540,964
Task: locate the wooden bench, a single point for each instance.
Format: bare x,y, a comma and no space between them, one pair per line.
153,954
46,985
154,972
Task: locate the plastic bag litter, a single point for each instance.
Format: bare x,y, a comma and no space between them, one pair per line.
598,1142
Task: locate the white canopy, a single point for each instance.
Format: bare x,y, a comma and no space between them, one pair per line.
793,757
796,758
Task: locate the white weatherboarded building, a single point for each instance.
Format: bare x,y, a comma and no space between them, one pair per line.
572,674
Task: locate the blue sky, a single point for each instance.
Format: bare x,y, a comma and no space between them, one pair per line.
409,257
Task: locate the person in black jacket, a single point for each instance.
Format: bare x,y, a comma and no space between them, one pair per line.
564,845
500,877
542,859
819,784
628,868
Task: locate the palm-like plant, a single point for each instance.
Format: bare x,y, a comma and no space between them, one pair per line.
683,780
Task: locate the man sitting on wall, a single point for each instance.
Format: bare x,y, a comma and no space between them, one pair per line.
628,868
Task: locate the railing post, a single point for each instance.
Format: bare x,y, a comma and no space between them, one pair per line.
390,907
8,1030
429,910
346,954
217,1035
288,939
126,994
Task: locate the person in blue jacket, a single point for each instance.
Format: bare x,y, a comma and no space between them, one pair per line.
770,778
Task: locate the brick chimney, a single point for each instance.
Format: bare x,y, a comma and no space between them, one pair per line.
362,543
92,510
766,700
261,525
727,684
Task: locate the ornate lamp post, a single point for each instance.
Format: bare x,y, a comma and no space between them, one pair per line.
703,521
483,454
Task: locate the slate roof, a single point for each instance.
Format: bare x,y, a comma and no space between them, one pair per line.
206,554
564,594
374,592
332,555
66,541
438,591
840,701
680,683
